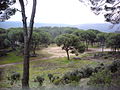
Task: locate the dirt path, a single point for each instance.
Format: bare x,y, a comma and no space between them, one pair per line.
55,52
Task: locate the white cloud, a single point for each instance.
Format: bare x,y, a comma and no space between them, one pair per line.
60,11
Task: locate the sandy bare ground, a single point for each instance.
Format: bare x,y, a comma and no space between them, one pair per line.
56,52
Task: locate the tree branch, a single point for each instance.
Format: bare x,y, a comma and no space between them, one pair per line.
116,4
24,17
32,19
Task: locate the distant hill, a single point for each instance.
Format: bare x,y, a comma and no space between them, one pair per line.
104,27
10,24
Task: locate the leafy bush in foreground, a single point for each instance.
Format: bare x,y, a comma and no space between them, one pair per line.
39,79
107,75
115,66
103,77
14,77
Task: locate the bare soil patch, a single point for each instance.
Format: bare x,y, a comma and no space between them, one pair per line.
57,52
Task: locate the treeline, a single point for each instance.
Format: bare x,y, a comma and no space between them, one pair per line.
13,39
92,38
43,36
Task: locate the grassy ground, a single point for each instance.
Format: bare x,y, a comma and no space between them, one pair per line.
42,67
12,58
57,66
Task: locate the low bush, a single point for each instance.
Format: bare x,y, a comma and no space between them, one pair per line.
14,77
75,76
50,76
87,71
99,67
115,66
103,77
39,79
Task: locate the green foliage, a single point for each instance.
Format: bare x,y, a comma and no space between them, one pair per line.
87,71
40,38
79,34
56,31
14,77
95,31
15,37
86,36
103,77
40,80
99,68
114,67
57,82
101,37
50,76
74,76
70,42
43,67
113,41
3,37
67,40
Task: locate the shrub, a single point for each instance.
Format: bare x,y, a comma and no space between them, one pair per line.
87,71
99,67
54,78
40,80
50,76
76,75
14,77
116,78
101,78
72,76
57,81
115,66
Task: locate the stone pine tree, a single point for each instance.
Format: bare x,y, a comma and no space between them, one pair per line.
70,42
27,38
101,37
109,8
113,41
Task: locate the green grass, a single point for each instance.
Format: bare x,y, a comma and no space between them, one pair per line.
10,58
57,66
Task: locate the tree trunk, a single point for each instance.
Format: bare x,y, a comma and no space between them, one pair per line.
27,38
87,45
102,45
34,49
25,80
102,49
68,57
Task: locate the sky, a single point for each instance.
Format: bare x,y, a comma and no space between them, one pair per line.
59,12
